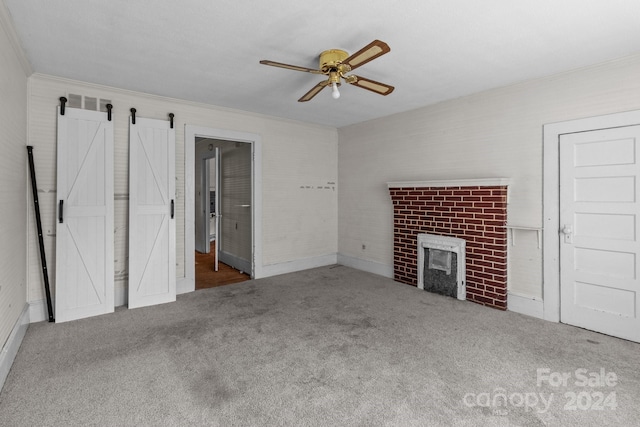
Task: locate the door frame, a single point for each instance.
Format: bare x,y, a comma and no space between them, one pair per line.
192,132
551,198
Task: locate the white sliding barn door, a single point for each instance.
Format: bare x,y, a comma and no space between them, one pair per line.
599,225
84,232
152,225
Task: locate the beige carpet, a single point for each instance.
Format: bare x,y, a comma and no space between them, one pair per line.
330,346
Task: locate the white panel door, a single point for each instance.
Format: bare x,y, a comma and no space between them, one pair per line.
84,232
599,248
235,244
152,224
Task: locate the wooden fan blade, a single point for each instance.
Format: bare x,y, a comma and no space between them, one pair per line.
290,67
314,91
368,53
373,86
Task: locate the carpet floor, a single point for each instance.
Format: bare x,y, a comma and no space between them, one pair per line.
330,346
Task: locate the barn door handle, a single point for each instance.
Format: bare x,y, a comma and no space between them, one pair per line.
172,208
60,216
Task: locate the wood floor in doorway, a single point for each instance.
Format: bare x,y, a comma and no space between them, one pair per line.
207,278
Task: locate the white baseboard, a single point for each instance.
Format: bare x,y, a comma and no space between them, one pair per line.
184,285
366,265
236,262
38,311
298,265
531,306
10,349
121,296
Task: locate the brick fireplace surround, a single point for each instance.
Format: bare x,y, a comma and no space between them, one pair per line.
473,210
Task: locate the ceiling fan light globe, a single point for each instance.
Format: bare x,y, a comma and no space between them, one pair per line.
335,93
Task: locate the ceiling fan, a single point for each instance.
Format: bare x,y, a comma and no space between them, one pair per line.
336,63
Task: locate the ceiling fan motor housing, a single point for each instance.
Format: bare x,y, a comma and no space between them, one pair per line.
331,60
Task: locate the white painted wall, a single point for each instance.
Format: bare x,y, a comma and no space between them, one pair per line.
497,133
298,223
13,176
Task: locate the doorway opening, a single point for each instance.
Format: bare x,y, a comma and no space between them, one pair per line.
223,237
224,188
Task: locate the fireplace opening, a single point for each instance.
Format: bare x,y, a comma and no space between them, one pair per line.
441,265
440,272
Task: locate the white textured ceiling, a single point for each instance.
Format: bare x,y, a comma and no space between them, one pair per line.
208,51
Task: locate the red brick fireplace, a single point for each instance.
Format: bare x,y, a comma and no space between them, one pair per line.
473,210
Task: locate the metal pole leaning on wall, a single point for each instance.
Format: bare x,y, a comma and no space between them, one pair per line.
43,258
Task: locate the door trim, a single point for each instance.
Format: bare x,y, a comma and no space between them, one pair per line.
551,198
191,133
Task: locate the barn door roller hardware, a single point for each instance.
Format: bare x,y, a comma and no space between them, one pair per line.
63,101
133,117
36,207
109,107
